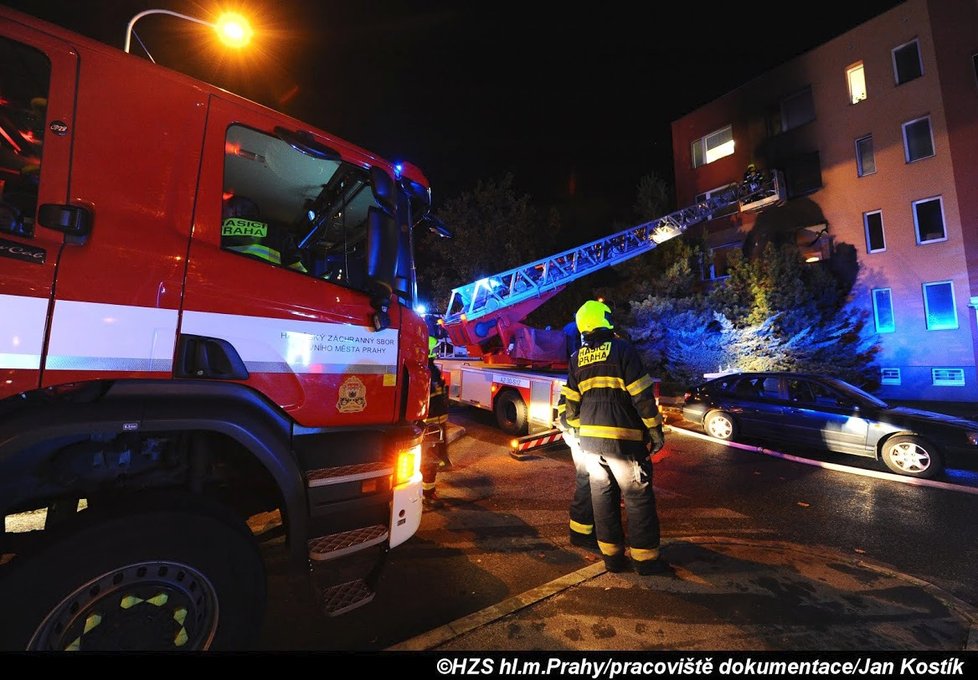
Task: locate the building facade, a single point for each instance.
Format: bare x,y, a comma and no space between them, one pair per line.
876,135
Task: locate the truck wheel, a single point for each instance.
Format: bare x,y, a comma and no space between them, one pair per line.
511,413
141,580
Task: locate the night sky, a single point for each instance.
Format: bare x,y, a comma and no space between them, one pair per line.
574,99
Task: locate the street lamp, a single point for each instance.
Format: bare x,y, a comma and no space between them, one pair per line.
231,28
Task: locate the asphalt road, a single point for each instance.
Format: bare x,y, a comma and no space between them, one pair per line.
502,532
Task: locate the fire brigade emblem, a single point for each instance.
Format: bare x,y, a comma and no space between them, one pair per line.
353,396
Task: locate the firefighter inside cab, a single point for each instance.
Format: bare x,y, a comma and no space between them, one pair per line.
243,231
435,452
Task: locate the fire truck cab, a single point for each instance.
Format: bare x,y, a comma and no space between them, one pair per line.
206,318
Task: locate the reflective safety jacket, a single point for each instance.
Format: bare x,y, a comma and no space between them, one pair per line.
262,240
609,398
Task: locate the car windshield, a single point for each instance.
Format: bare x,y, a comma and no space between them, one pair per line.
857,393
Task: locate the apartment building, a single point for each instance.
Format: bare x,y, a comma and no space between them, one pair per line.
876,134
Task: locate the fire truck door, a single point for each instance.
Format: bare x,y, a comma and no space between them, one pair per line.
282,304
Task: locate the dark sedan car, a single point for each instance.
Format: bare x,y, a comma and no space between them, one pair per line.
829,414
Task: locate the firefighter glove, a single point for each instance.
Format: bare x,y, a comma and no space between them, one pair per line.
657,437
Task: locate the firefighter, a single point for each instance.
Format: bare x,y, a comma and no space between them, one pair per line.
243,231
435,454
610,404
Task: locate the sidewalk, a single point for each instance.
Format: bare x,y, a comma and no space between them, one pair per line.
729,594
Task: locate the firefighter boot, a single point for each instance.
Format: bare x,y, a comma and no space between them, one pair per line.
444,463
653,568
587,541
614,557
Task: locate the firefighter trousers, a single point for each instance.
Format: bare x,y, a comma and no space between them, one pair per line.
581,508
612,481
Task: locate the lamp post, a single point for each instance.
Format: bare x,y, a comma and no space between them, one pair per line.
232,29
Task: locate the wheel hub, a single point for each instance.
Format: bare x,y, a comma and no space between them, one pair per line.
910,457
146,606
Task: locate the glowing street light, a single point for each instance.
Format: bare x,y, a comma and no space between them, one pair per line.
231,28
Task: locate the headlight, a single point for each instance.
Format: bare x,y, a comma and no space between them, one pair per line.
972,438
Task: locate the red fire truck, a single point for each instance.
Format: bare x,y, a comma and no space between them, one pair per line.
500,364
206,315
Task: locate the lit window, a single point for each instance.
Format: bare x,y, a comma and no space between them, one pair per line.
717,144
918,142
890,376
939,306
856,77
814,243
947,377
928,220
906,62
875,241
883,310
865,156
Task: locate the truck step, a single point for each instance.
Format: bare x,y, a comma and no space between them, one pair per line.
331,546
347,473
343,597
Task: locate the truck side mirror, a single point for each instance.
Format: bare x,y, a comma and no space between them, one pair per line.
382,246
383,188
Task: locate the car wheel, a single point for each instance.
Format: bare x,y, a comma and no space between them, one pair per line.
720,425
140,579
912,456
511,413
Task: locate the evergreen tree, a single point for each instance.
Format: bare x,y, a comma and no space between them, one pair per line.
772,312
495,228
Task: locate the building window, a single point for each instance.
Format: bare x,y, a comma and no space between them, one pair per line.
717,144
803,174
906,62
939,306
814,243
717,196
918,142
856,77
947,377
865,156
928,220
873,222
883,310
890,376
797,109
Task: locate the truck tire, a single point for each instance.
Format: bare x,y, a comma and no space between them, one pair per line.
143,579
511,413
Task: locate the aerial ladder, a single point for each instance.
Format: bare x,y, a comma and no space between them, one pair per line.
485,317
